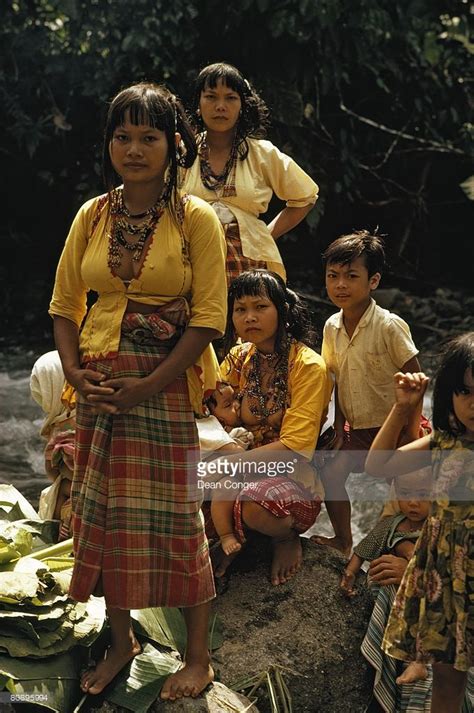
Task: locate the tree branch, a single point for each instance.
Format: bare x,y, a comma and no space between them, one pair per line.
447,148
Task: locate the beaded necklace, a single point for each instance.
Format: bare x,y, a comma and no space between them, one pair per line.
121,225
224,182
277,390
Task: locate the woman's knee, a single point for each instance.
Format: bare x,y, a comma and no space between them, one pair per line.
258,518
252,513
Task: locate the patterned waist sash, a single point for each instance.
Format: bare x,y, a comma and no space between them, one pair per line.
165,323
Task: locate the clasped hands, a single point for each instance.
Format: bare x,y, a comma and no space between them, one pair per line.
113,396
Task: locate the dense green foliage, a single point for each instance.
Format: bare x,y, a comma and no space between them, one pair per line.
369,96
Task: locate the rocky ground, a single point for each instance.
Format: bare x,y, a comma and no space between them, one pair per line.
305,628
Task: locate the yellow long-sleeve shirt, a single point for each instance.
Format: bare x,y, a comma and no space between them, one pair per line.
189,262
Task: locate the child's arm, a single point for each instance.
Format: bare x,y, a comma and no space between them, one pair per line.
349,575
384,459
412,429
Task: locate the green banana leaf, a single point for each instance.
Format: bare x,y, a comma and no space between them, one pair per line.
18,586
53,681
164,625
139,685
49,619
167,627
14,506
83,632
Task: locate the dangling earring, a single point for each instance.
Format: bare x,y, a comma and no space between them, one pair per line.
180,153
198,112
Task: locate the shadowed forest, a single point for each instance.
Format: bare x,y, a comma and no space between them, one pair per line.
371,99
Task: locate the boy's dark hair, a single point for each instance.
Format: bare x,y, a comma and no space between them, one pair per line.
348,248
293,315
458,356
253,121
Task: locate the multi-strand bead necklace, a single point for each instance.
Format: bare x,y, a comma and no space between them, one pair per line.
223,184
142,230
277,391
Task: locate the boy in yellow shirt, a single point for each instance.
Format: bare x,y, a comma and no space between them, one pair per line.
363,346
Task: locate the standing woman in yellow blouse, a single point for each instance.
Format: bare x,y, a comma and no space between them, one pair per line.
141,364
237,171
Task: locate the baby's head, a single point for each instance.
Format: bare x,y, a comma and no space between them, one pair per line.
224,406
353,266
414,494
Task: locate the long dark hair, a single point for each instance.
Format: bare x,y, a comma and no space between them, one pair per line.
253,121
293,315
155,105
458,356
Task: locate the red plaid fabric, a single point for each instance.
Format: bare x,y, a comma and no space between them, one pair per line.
236,262
137,525
281,497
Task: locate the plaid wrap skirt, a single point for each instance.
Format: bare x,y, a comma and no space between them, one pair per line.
281,497
236,262
137,524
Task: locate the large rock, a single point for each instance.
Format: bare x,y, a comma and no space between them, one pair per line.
306,626
217,698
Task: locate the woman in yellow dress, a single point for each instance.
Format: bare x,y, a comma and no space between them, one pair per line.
237,171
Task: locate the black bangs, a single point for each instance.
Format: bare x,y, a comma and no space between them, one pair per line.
145,109
256,283
229,75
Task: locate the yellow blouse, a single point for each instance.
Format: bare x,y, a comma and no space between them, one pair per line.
309,391
265,171
189,262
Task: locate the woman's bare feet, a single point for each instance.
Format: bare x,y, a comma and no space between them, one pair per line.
415,671
94,680
190,680
336,542
287,558
230,543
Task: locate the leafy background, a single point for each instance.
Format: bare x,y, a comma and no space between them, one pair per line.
371,97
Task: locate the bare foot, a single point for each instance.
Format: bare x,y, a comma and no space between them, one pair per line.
230,543
415,671
287,558
336,542
190,680
94,680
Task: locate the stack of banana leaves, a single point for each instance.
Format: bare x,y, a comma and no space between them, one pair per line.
46,638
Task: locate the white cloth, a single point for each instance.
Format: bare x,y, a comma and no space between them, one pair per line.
48,499
46,385
213,436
